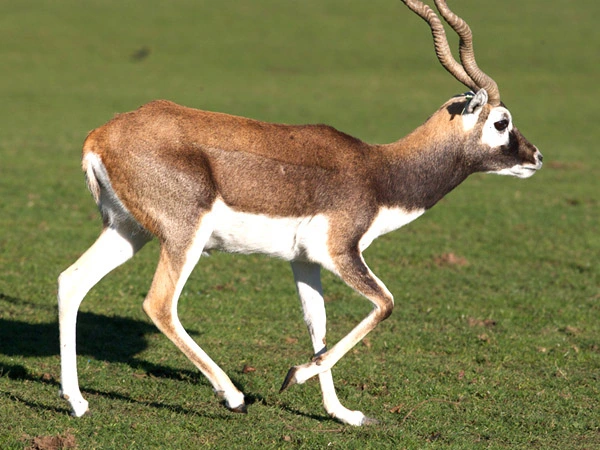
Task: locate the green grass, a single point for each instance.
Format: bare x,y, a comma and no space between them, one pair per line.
502,351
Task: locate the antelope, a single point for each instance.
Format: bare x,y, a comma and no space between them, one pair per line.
200,181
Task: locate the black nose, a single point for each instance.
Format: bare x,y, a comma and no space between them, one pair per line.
540,157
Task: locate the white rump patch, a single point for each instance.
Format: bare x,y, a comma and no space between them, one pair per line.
113,210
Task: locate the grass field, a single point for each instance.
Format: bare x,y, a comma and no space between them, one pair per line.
495,340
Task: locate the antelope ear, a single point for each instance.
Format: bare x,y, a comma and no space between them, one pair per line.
478,100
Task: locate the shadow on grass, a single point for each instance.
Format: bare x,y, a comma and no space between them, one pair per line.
313,416
20,373
111,339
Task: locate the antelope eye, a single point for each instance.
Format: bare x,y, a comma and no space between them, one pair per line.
501,125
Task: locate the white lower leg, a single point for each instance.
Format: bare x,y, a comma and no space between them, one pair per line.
328,359
110,250
383,301
333,406
68,380
308,284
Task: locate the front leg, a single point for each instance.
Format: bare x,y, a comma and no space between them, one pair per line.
308,283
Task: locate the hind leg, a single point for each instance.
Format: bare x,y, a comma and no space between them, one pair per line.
174,267
112,248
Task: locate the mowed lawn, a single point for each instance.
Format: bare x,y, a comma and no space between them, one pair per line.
495,339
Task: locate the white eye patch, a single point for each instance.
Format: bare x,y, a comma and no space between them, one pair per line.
497,127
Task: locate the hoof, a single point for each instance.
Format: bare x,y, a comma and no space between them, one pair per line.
241,409
79,406
369,421
85,413
290,380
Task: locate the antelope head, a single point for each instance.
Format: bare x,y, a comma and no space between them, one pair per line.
496,145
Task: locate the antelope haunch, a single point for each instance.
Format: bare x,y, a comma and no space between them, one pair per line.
201,181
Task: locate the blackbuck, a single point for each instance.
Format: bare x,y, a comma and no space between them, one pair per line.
200,181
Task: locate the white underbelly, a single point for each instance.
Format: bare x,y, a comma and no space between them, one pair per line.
288,238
